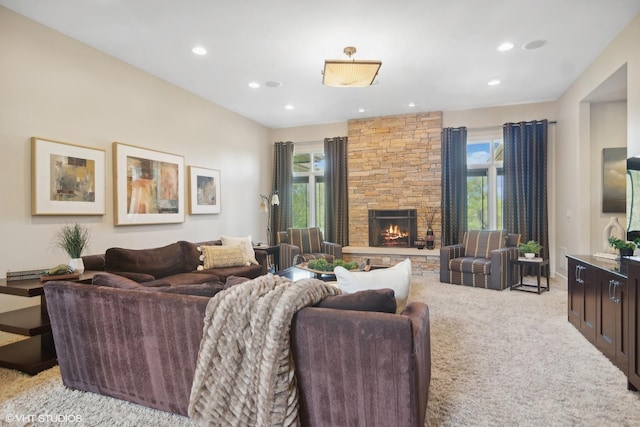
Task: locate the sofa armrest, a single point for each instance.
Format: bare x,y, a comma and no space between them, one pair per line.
334,249
502,275
123,343
348,363
288,253
261,257
447,253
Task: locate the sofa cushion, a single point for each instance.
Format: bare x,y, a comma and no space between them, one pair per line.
245,244
381,300
182,279
471,265
201,289
222,256
309,240
158,262
480,243
114,281
250,271
397,278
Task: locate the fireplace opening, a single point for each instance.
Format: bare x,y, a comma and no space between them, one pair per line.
392,228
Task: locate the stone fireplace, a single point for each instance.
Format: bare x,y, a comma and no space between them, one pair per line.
392,228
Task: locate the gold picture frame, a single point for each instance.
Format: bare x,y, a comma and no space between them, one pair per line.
148,186
66,179
204,191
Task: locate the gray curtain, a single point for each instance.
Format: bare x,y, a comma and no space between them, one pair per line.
282,215
525,181
336,177
454,185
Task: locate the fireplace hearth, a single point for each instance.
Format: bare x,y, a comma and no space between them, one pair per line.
392,228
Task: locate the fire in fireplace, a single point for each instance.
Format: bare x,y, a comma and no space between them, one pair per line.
392,228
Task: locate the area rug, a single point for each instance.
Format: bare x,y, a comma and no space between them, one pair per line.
498,359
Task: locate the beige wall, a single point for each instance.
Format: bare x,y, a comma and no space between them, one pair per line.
608,130
53,87
309,133
574,154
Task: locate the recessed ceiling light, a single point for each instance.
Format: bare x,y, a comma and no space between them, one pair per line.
411,104
494,82
199,50
254,85
288,107
361,110
505,46
536,44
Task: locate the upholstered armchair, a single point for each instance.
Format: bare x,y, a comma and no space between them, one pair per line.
306,242
482,260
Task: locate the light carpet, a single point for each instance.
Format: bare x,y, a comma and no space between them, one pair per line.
498,359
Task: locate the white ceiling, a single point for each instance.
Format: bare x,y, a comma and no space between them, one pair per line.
438,54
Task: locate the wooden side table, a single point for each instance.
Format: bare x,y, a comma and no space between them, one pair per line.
537,264
36,353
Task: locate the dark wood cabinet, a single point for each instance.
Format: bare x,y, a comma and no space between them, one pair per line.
611,289
633,296
582,296
612,318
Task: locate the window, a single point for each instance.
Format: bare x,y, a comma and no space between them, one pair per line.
308,186
485,178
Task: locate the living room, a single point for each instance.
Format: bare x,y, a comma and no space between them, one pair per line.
56,87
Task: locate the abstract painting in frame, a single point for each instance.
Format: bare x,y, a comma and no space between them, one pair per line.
148,186
66,179
614,180
204,191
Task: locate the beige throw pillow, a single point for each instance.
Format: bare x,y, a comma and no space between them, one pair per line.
245,244
222,256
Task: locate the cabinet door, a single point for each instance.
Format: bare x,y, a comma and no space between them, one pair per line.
621,295
634,326
575,292
606,309
589,316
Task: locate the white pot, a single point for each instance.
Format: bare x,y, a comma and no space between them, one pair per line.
529,255
77,265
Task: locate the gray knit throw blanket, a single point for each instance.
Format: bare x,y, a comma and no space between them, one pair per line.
245,371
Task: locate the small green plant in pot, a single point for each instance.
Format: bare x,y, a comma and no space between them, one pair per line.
73,239
625,248
530,249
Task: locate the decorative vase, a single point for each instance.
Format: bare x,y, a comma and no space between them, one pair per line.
77,265
607,232
431,243
529,255
420,244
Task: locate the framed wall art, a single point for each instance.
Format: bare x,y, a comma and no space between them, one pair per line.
66,179
204,191
148,186
614,180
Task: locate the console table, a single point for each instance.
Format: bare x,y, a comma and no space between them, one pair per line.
36,353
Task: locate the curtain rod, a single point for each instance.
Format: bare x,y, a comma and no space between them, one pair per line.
551,122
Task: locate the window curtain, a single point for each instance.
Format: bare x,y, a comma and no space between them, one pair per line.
454,185
282,214
336,178
525,181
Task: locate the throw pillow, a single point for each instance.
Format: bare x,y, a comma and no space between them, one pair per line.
114,281
381,300
246,245
397,278
222,256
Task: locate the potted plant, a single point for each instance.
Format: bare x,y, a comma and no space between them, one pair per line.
625,248
530,249
73,239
